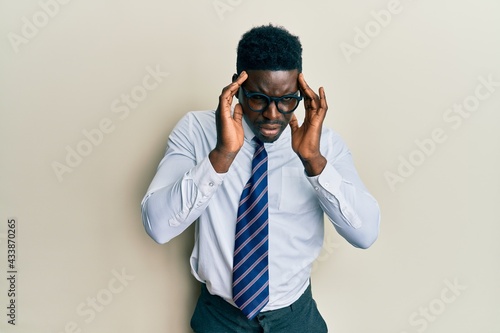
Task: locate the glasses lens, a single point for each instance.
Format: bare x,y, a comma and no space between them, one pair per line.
258,102
288,104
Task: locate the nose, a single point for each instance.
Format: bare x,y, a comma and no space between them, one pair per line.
271,112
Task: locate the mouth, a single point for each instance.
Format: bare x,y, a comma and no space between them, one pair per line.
270,130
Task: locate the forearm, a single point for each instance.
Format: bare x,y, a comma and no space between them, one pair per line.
170,207
349,206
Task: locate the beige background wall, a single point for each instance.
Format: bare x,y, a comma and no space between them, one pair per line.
395,91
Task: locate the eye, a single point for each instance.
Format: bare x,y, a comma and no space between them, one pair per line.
257,97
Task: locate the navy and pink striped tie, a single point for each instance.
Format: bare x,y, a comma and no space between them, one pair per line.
250,264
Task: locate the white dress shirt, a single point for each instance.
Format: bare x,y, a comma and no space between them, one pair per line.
186,189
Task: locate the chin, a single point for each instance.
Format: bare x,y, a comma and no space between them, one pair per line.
269,139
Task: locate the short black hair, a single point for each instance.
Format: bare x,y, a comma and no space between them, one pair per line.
269,47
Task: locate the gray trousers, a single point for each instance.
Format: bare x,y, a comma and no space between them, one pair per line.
214,315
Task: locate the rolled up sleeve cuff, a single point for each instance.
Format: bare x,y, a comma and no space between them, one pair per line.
205,177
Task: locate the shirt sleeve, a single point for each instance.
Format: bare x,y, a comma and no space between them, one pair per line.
345,200
181,189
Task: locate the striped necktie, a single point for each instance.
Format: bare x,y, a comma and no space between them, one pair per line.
250,263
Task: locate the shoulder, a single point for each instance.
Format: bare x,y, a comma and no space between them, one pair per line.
196,119
201,116
195,127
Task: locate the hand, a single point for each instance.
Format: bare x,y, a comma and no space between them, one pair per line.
306,138
230,134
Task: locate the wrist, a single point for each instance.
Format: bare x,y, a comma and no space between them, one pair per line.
314,165
221,159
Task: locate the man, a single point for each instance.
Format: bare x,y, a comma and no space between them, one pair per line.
258,183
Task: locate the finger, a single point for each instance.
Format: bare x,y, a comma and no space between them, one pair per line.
238,113
233,87
302,83
311,98
226,97
294,123
304,87
322,102
242,78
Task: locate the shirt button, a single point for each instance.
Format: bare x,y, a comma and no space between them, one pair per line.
211,184
316,188
327,184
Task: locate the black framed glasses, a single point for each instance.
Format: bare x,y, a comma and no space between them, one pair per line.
258,102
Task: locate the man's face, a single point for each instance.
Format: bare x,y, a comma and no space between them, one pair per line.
270,123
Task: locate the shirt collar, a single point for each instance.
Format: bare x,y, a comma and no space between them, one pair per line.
248,131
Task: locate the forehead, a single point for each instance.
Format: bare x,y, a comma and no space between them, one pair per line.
272,83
